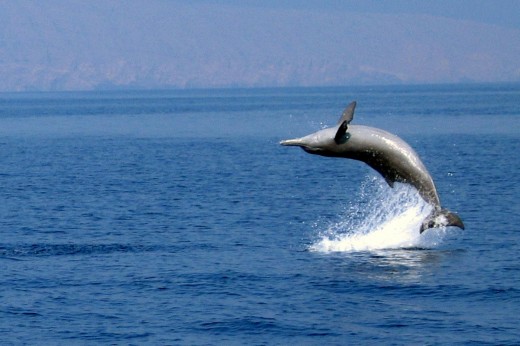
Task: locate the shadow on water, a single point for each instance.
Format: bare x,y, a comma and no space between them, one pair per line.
388,267
407,265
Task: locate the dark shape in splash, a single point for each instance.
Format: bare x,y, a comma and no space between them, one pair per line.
388,154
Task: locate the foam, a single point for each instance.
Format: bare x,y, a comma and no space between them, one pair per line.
380,218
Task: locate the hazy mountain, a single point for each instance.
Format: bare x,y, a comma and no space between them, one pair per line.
73,45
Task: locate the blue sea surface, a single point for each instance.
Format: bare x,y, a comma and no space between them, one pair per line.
176,218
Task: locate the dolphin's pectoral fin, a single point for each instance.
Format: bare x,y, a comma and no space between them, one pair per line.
342,135
390,175
390,182
441,217
348,113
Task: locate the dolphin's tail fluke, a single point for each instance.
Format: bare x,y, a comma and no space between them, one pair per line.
441,217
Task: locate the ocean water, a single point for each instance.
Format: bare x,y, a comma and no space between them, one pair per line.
176,218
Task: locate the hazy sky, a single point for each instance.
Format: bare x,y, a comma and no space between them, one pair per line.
499,12
78,45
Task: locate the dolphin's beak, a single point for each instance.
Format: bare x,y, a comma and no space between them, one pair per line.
297,142
304,143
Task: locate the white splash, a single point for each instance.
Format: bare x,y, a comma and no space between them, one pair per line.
382,218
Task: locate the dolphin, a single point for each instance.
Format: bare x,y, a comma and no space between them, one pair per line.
388,154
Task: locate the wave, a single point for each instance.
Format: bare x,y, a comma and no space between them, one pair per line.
381,218
23,250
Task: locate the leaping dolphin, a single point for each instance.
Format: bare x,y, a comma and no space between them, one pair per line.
388,154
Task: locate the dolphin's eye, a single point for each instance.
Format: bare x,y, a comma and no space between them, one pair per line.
343,139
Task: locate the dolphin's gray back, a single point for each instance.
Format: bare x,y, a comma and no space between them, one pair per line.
392,157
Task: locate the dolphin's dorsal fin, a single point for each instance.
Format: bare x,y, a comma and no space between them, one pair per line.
348,113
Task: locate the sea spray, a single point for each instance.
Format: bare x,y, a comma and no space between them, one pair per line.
380,218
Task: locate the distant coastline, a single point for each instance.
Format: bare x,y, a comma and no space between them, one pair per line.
99,45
